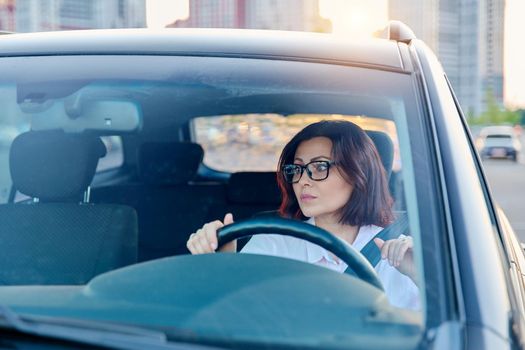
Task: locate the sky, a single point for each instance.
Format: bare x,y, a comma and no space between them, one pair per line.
358,18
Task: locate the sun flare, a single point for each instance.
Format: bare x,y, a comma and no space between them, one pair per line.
355,19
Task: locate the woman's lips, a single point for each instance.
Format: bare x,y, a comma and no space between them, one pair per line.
307,197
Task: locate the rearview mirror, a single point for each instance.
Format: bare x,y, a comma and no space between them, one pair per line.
89,109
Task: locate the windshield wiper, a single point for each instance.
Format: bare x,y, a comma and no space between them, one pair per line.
96,333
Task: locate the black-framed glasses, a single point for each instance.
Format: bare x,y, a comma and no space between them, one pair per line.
317,170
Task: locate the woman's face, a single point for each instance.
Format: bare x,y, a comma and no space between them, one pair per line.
320,199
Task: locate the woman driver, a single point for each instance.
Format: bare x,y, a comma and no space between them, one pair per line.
332,177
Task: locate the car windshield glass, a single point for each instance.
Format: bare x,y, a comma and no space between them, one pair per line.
495,140
109,163
498,136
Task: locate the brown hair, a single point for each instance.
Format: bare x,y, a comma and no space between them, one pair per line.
359,164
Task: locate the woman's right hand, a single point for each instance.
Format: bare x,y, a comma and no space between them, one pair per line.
205,239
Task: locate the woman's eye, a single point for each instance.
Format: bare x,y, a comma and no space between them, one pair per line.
321,167
292,170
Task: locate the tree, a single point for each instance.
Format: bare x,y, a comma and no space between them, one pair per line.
494,114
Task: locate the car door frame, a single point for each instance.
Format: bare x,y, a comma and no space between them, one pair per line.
477,255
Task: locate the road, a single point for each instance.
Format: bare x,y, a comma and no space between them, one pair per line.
507,183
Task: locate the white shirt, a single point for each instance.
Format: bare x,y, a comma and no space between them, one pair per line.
400,290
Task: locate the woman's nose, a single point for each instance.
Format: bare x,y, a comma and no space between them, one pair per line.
305,179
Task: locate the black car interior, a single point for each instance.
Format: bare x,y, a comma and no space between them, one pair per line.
97,228
172,201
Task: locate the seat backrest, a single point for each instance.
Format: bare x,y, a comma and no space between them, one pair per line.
251,192
60,240
170,207
385,148
248,194
167,164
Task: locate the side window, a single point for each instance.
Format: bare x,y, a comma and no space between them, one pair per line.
253,142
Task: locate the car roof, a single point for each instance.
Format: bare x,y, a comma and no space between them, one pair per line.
267,44
497,130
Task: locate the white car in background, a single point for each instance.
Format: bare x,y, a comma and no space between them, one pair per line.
499,142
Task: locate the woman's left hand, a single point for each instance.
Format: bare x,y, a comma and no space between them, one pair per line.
399,253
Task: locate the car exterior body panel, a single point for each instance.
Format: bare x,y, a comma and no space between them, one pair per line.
203,42
475,238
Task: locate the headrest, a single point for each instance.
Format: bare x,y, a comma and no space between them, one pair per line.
253,187
385,148
169,163
52,165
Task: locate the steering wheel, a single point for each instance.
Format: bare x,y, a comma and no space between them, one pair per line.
357,263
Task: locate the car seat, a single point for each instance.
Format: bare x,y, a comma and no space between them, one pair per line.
59,237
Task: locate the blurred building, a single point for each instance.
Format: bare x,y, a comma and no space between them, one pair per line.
46,15
214,14
7,15
301,15
467,36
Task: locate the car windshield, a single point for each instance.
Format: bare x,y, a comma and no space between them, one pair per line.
109,163
498,140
